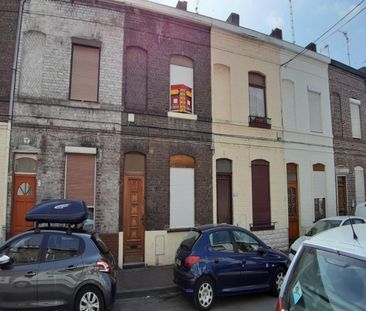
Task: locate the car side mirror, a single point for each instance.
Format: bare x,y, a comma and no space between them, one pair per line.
5,260
261,250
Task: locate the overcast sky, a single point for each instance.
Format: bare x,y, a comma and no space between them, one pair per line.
311,19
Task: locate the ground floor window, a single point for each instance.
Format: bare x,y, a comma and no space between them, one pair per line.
319,190
181,191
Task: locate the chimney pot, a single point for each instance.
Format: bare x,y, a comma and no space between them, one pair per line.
182,5
311,46
276,33
233,19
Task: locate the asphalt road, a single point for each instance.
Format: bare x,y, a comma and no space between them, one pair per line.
177,302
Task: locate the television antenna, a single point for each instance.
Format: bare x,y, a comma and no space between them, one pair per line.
347,41
197,4
292,23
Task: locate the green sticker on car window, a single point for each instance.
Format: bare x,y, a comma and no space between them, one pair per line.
297,292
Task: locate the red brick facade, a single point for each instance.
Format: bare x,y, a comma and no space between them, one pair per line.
345,83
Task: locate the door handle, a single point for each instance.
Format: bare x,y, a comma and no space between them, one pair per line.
30,274
70,268
216,261
243,263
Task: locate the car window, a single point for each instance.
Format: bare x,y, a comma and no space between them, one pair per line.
25,250
357,221
220,241
322,280
189,240
323,225
62,246
245,242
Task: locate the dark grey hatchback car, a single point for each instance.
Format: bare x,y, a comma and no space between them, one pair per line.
57,268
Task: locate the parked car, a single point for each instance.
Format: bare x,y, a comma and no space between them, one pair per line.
57,267
328,272
218,260
361,210
322,225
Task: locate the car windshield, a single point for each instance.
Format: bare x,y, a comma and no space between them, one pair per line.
323,225
323,280
189,240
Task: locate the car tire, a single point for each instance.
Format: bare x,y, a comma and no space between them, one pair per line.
204,293
89,296
277,281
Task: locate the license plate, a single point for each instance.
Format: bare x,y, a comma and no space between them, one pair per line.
178,262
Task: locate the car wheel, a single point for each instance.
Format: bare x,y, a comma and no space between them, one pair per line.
278,280
89,298
204,293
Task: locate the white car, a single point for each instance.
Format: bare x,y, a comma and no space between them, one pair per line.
328,272
322,225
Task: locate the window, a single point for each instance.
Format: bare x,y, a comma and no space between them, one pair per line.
181,191
62,246
359,184
245,242
181,85
25,250
257,101
261,202
220,241
315,112
355,117
319,189
80,178
85,71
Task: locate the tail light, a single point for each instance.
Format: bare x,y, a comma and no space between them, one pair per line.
104,266
191,260
279,304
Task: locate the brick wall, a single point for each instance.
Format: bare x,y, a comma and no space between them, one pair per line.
44,113
349,152
8,28
154,134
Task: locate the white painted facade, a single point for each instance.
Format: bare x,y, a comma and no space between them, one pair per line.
304,147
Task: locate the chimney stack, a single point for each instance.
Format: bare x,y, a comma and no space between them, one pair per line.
311,46
233,19
182,5
276,33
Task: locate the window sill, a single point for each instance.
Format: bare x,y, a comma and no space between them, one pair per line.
84,104
262,227
182,115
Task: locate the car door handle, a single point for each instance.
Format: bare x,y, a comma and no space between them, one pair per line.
243,263
71,268
216,261
30,274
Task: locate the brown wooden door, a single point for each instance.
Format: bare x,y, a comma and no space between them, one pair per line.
224,200
24,198
342,195
292,197
133,219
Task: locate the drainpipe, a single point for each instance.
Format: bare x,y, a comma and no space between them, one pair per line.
15,62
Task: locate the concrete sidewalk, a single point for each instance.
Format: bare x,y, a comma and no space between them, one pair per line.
147,281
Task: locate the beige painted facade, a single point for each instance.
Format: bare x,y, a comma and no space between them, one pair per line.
4,160
233,56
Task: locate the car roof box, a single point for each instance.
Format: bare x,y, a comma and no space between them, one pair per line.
58,211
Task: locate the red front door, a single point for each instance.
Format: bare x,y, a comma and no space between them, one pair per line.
24,198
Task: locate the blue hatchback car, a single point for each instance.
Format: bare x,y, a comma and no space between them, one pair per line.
218,260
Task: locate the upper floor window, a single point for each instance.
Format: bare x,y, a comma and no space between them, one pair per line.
257,101
181,85
315,112
355,117
85,70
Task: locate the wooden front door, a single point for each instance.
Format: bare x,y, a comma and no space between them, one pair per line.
224,200
133,219
342,195
292,197
24,198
